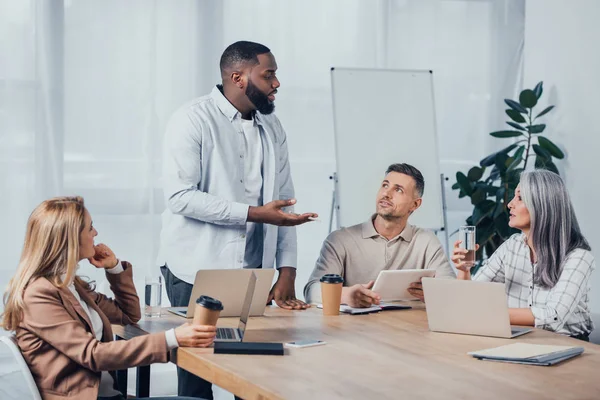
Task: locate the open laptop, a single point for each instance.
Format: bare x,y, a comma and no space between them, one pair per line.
229,286
468,307
237,334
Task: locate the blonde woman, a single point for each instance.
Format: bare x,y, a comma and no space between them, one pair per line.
62,325
546,269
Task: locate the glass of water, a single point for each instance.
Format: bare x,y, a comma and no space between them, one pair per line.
153,296
466,235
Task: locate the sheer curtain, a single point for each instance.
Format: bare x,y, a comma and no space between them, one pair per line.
86,88
86,93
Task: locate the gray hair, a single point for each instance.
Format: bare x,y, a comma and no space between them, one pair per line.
554,228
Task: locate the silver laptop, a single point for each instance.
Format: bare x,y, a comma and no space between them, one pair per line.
468,307
237,334
229,286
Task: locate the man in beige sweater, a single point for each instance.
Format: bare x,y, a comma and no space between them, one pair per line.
385,242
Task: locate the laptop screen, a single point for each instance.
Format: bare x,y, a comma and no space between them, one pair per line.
247,304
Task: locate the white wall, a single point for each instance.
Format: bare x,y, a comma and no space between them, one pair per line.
561,48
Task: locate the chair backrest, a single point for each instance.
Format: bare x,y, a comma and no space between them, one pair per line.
16,381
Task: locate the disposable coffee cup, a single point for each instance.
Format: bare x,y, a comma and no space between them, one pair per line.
207,311
331,293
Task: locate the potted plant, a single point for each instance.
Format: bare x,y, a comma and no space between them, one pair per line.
491,185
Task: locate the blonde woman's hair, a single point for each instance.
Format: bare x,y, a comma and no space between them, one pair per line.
51,250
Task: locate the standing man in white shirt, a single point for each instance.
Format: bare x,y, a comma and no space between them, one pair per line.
228,187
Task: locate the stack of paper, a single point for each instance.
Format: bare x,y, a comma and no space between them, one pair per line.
532,354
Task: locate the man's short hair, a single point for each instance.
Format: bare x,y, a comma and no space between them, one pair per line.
241,52
411,171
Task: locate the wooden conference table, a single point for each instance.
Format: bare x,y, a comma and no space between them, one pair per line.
387,355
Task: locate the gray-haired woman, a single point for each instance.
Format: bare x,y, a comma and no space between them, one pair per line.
547,267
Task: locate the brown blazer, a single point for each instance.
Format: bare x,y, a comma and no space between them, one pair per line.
57,339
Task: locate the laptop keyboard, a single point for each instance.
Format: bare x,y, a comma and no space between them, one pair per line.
225,333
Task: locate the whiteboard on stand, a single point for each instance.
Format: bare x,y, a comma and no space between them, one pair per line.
382,117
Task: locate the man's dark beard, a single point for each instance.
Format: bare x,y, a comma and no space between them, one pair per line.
259,99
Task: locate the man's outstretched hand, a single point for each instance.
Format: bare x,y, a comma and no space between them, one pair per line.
272,213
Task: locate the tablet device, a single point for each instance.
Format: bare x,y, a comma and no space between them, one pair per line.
392,285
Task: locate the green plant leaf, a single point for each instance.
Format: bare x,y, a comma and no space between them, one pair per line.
537,128
482,210
552,167
544,111
476,217
462,194
500,195
517,158
542,163
541,152
516,126
514,163
506,134
485,231
501,225
464,183
489,160
551,147
538,89
515,115
500,161
478,196
510,195
489,189
495,174
486,207
515,106
512,180
455,186
519,152
498,209
475,174
527,98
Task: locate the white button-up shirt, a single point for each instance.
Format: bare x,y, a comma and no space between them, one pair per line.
204,225
563,308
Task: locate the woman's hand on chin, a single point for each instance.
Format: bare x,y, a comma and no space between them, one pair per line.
104,257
